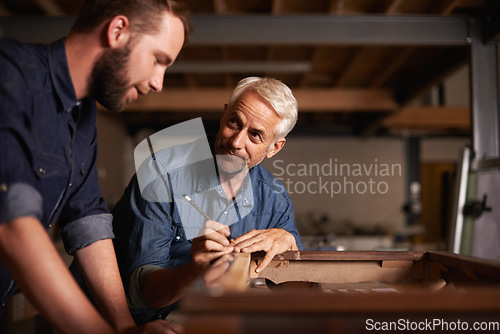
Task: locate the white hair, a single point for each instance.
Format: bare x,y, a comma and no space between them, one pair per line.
277,94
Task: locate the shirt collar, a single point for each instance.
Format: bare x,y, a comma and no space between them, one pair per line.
59,72
245,196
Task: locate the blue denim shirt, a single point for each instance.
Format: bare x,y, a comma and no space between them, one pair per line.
48,148
152,233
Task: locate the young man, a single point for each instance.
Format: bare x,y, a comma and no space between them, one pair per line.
116,51
156,257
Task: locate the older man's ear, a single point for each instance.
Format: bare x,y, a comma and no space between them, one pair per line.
276,147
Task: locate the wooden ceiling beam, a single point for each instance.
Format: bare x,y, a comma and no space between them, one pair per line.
310,100
345,100
430,118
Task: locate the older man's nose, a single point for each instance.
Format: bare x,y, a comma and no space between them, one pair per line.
238,140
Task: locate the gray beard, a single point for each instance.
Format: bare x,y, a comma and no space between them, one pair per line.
230,164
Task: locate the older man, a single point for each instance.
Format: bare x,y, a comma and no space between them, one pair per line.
116,51
155,255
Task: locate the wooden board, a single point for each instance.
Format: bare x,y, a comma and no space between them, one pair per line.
337,292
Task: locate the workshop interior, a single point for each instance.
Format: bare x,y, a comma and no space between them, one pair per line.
396,148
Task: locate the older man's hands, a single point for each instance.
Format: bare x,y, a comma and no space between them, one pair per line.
273,241
211,244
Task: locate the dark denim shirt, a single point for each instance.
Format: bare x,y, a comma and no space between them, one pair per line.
151,232
48,148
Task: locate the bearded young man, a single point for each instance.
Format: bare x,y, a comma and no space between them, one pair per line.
164,245
116,51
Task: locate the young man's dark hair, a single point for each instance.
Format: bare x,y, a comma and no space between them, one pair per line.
143,14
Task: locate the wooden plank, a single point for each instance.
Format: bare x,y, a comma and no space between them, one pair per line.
481,269
345,256
396,264
215,324
309,100
237,277
339,267
345,99
390,266
334,272
344,305
430,118
420,300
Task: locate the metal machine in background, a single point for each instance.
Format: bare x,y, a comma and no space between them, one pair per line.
476,224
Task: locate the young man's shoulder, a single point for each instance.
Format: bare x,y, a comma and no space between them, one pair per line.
10,45
18,51
21,61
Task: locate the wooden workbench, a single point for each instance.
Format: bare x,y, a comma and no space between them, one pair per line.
347,292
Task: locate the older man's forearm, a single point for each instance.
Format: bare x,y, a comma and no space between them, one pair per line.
165,286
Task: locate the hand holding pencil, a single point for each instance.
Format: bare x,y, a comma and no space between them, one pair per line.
211,243
203,213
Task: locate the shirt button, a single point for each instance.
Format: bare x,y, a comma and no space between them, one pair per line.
177,238
70,184
225,212
50,225
3,187
41,170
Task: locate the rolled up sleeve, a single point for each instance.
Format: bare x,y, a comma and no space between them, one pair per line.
137,280
19,200
87,230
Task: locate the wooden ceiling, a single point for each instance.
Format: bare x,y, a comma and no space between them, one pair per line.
343,87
